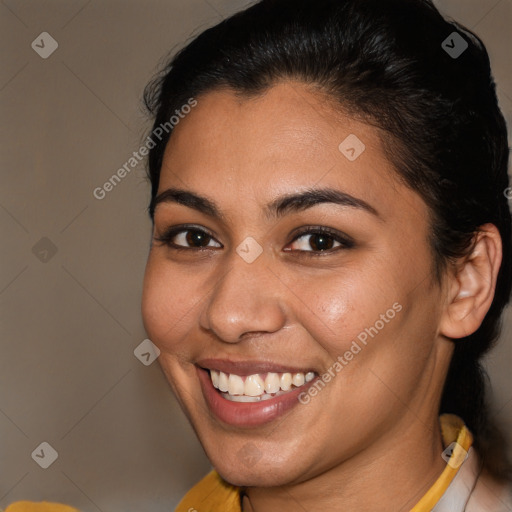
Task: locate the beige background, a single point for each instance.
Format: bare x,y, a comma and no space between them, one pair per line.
70,324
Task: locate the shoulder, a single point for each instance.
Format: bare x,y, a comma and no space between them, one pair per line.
490,495
211,494
474,490
39,506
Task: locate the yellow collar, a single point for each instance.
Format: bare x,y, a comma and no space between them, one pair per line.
453,430
219,496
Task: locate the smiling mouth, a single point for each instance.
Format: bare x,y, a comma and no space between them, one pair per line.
259,386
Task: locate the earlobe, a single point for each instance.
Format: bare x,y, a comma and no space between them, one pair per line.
471,287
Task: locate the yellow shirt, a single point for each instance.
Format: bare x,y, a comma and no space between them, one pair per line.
213,494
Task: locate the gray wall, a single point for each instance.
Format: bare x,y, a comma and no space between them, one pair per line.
72,265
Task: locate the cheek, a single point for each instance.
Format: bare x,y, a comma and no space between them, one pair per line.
337,308
168,301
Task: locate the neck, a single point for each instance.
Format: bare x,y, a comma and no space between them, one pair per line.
397,471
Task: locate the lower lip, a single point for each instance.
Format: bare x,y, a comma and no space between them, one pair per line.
247,414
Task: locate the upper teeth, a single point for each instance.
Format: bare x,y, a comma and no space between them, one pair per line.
258,384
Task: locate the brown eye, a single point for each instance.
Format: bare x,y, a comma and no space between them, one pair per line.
197,238
320,240
316,241
187,238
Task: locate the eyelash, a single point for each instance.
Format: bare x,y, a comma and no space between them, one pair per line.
345,242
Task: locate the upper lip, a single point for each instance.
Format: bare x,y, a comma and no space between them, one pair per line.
248,367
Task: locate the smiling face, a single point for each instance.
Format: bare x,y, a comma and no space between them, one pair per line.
242,280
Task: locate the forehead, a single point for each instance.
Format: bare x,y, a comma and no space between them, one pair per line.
268,128
283,140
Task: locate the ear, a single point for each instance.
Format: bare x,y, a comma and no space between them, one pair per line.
470,288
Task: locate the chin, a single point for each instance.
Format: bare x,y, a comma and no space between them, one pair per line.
250,468
242,476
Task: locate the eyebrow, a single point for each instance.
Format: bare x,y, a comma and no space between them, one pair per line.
289,203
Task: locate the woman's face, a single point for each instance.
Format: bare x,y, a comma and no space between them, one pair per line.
254,289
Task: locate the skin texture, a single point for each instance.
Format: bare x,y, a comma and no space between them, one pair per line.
375,425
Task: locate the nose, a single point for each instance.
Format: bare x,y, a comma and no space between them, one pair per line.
247,298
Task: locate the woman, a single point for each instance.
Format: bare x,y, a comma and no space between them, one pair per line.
331,257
